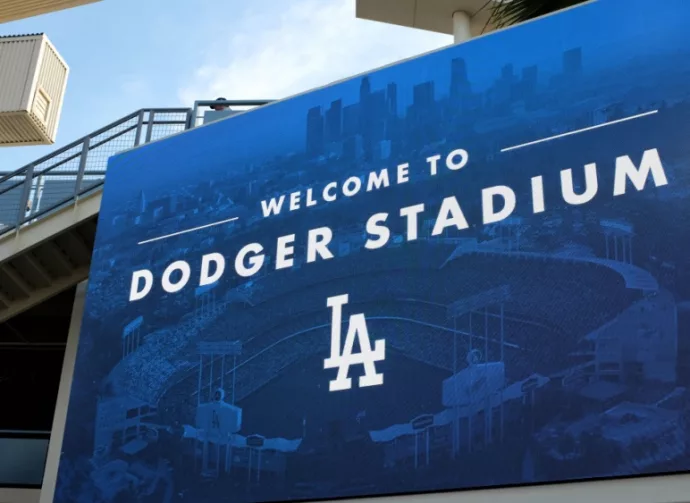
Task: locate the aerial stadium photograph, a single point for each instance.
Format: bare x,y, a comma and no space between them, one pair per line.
513,311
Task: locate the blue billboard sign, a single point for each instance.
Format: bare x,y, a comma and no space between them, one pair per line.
466,270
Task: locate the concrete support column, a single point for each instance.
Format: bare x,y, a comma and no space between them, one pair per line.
60,417
461,26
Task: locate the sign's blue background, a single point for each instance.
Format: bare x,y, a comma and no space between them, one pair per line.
595,340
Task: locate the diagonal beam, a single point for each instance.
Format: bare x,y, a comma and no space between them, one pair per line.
19,282
37,268
57,255
43,294
78,247
4,300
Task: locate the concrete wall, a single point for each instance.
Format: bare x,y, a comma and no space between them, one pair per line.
668,489
19,495
55,447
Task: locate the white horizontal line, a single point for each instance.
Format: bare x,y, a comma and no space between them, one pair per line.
188,230
577,131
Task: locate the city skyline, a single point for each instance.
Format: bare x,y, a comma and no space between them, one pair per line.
373,116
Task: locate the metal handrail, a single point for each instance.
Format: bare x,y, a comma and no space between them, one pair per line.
79,166
21,191
72,145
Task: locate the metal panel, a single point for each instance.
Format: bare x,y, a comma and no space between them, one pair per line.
51,81
17,60
19,129
33,78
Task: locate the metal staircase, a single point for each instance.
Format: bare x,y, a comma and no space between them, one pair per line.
48,209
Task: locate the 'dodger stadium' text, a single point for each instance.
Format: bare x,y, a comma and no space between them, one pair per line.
498,202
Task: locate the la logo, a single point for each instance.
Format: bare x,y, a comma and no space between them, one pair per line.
357,328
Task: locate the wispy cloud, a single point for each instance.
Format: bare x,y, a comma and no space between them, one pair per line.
134,86
274,53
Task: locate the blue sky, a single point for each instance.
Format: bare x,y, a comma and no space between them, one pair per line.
636,40
130,54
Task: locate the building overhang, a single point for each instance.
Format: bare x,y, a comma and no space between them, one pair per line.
12,10
430,15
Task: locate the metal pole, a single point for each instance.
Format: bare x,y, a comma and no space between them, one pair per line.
455,346
195,112
606,240
140,124
149,128
487,403
249,466
456,410
24,199
471,408
630,250
486,335
234,371
204,462
502,361
615,247
201,369
210,380
228,454
40,186
258,467
191,115
82,165
217,467
427,444
195,442
222,373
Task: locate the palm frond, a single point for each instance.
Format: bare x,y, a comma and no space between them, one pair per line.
511,12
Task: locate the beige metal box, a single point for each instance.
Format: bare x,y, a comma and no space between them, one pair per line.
33,78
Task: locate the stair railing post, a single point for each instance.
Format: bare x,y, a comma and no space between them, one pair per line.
140,125
82,166
189,124
24,199
195,114
149,129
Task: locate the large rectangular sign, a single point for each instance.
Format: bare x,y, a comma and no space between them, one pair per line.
467,270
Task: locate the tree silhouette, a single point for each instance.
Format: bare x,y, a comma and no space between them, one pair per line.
516,11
